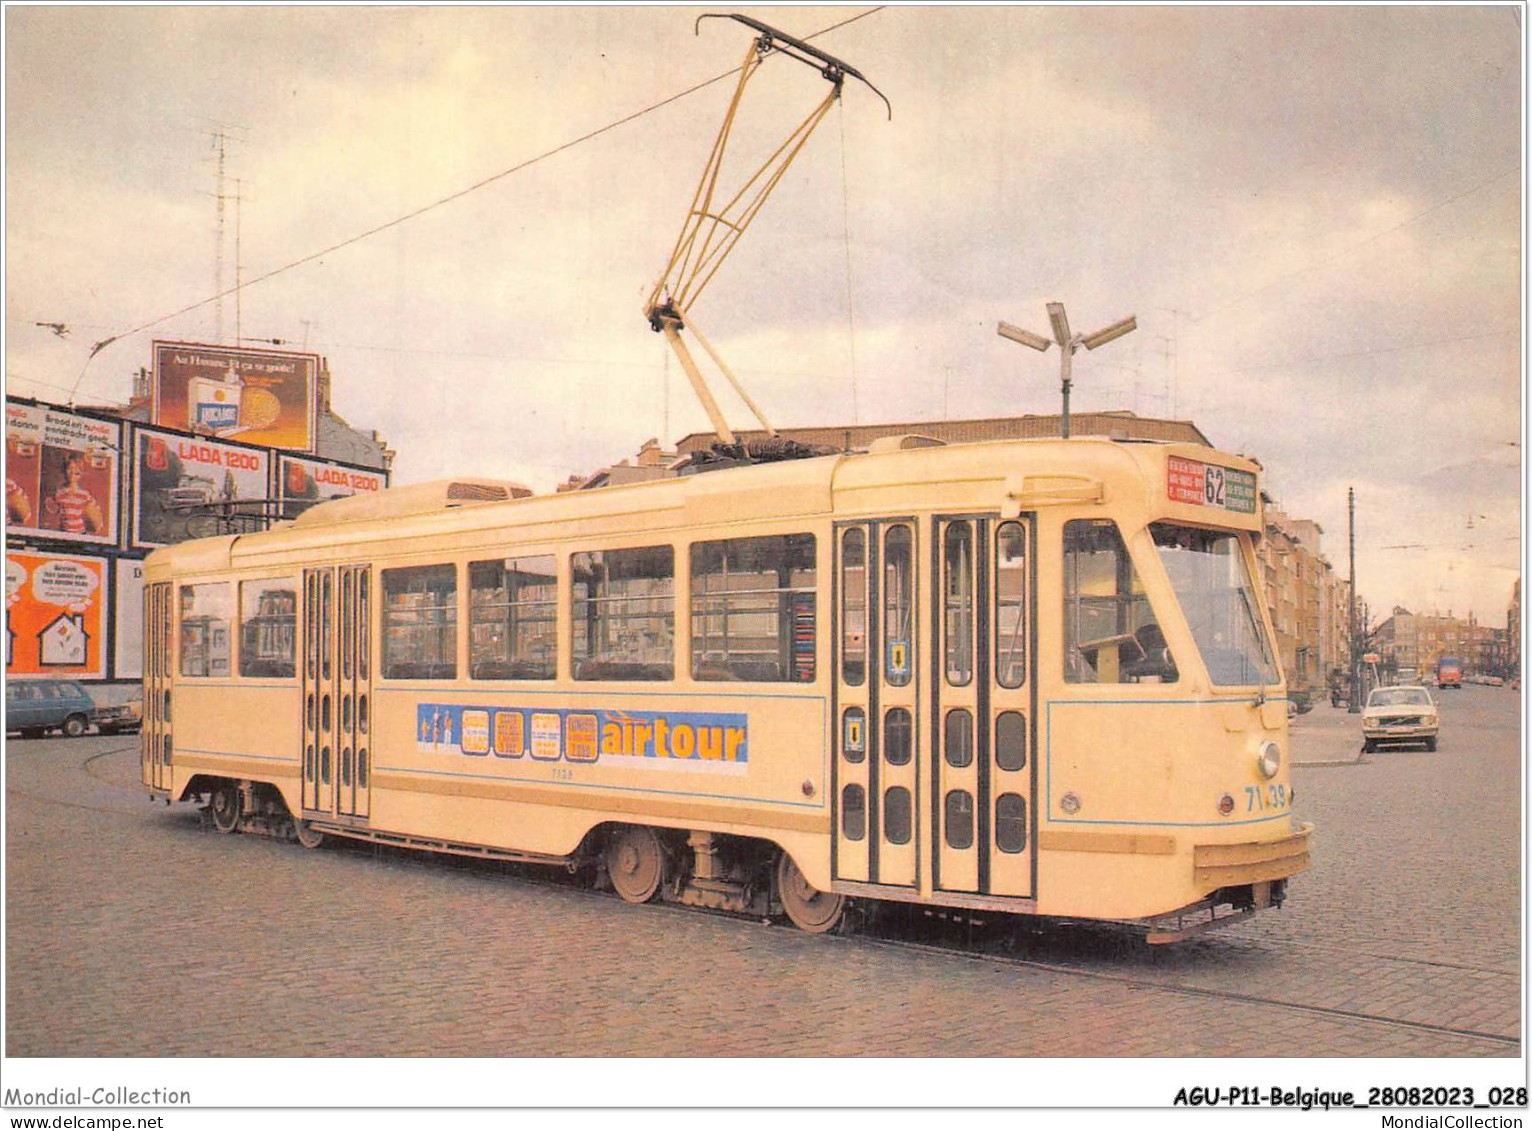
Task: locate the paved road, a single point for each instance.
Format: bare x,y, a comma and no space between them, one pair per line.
133,931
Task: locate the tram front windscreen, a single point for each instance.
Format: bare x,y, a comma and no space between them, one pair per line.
1208,571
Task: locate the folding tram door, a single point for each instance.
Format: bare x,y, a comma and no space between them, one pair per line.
876,692
982,720
155,725
337,692
934,782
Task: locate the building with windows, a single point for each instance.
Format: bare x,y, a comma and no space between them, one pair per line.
1308,603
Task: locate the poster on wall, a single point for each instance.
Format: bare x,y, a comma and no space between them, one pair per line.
60,474
304,482
128,600
187,487
55,615
265,397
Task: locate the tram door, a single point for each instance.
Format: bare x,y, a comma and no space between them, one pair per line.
981,727
155,731
337,686
877,702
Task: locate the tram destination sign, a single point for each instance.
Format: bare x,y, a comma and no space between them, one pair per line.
1208,485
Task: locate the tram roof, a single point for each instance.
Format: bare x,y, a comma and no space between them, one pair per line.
979,475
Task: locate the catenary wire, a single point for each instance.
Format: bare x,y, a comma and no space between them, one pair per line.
458,195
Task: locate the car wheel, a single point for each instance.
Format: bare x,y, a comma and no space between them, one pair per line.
1368,746
107,730
32,732
74,726
1431,746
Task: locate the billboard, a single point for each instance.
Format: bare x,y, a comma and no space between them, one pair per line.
60,474
183,485
55,615
266,397
303,482
128,600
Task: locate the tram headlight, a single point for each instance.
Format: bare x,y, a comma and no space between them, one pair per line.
1269,761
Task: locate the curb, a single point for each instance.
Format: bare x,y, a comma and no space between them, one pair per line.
1360,760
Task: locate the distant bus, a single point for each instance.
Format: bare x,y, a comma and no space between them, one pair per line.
1449,672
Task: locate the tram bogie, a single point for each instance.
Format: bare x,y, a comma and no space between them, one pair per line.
1031,677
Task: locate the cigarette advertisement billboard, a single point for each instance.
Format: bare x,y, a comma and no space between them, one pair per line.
304,482
60,474
55,615
264,397
184,485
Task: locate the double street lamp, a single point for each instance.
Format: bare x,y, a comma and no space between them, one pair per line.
1068,343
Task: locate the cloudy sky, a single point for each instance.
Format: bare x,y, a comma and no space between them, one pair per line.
1314,213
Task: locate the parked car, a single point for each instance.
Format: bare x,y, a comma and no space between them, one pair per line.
35,706
120,718
1399,715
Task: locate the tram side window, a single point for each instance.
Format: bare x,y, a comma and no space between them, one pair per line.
753,609
420,622
624,613
853,606
1011,605
268,628
205,626
1110,632
512,609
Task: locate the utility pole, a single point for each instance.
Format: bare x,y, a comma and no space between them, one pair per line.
1354,705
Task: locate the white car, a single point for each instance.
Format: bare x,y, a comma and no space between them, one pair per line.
1398,715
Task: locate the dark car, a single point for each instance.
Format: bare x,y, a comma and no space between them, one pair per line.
35,706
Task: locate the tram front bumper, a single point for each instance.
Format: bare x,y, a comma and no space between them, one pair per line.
1230,865
1240,879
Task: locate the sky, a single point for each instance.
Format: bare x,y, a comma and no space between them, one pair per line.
1314,214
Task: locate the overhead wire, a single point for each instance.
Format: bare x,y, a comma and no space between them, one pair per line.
1349,248
448,199
845,208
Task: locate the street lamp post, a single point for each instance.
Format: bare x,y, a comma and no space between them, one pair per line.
1068,343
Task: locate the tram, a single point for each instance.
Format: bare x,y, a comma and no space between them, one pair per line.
1026,676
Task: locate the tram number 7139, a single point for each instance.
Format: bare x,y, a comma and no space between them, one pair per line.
1273,796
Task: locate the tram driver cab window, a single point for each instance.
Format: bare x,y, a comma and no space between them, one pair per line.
1111,634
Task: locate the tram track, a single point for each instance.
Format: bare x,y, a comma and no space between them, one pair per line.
876,935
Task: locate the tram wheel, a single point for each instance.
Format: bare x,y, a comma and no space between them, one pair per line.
306,834
635,862
809,908
227,806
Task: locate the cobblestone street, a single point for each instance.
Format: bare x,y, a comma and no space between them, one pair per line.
132,931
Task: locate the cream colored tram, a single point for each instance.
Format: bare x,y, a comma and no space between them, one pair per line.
1030,676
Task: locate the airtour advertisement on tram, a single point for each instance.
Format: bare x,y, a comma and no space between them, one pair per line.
60,474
